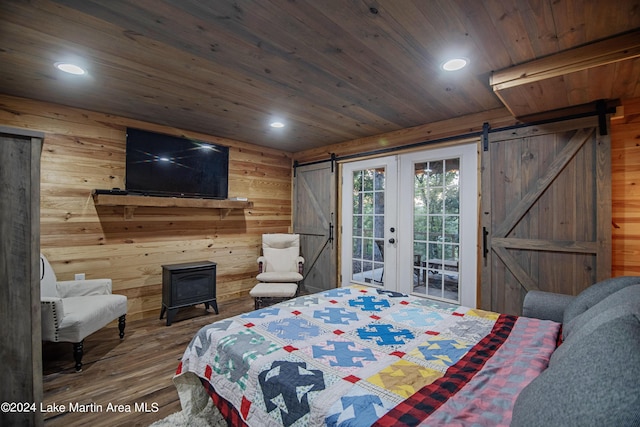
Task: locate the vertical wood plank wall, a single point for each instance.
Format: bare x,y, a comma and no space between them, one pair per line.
84,150
625,190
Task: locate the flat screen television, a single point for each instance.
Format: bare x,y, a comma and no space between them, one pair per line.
165,165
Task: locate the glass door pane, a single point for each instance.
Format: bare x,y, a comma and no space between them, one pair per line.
436,228
368,226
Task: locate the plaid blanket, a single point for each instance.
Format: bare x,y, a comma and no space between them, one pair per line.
361,356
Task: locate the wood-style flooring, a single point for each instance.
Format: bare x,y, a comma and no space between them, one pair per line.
135,371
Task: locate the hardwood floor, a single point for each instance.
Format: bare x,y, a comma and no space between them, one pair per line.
135,371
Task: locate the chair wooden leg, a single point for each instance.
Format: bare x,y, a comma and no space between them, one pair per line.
78,351
121,325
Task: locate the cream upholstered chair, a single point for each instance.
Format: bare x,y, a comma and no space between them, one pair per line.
74,309
280,268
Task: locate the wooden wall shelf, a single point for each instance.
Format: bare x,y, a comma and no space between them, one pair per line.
130,202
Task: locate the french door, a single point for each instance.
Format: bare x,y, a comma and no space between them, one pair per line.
369,202
410,223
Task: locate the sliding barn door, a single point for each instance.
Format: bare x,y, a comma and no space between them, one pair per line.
314,219
546,212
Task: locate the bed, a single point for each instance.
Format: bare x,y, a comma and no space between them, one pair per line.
361,356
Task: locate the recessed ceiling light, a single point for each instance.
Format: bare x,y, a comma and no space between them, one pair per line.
454,64
277,125
70,68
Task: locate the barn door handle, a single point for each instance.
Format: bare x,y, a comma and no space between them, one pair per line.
485,250
331,230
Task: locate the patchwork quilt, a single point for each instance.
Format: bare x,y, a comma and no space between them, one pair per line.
362,356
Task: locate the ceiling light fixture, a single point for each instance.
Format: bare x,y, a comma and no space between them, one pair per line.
277,125
70,68
454,64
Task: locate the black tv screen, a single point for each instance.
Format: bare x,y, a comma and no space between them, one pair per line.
165,165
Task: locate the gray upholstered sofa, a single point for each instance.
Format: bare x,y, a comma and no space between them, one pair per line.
593,378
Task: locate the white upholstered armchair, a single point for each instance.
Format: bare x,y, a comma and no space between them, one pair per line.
280,268
74,309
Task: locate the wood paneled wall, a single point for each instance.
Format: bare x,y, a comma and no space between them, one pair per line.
84,150
625,190
434,132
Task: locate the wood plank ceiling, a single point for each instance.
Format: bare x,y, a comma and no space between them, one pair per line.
332,70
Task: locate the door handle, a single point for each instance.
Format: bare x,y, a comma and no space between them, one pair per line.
331,232
485,248
392,240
